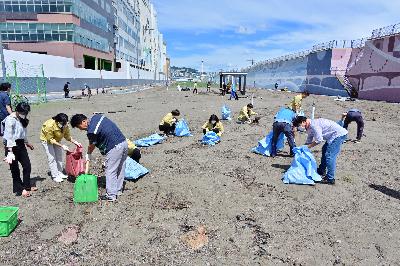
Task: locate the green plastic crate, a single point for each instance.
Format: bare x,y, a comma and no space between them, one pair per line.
8,220
85,189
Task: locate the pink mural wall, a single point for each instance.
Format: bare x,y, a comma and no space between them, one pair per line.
375,69
340,60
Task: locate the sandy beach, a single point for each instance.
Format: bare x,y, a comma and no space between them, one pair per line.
250,217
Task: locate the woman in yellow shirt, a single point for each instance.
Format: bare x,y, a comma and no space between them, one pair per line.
167,124
53,131
246,113
133,151
213,124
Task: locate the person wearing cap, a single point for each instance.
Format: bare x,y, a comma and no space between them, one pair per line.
167,124
354,115
334,135
213,124
16,141
105,135
297,100
51,134
245,114
283,123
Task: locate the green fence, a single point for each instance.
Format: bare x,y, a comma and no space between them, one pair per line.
28,82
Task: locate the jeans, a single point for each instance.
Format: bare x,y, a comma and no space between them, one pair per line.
167,129
357,117
22,157
55,158
285,128
115,169
234,95
330,152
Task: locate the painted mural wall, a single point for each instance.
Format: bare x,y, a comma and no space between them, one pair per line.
375,69
312,73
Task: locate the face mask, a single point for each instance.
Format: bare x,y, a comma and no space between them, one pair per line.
213,122
60,125
22,116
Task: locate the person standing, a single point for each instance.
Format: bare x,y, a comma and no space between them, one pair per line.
296,102
354,115
108,138
209,86
5,101
319,130
52,132
195,88
66,89
223,88
89,90
283,123
233,92
15,139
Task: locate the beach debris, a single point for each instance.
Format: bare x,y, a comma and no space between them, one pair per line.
196,239
69,235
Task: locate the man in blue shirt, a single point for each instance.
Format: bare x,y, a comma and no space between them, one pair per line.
319,130
108,138
283,124
5,101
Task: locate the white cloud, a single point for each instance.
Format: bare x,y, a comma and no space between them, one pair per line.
245,30
317,21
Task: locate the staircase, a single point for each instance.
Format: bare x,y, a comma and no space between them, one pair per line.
353,93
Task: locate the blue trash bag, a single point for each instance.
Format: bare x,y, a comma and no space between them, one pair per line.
341,123
226,113
265,145
303,170
134,170
182,129
210,138
149,141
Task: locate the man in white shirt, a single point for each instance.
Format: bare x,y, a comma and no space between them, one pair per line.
319,130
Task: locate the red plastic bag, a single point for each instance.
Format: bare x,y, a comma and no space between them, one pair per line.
75,164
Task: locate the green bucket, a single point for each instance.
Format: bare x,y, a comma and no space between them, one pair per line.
8,220
85,189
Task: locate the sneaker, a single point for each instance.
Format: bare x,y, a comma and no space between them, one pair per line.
328,181
58,179
108,198
357,141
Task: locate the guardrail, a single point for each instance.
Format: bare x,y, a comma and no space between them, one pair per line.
385,31
357,43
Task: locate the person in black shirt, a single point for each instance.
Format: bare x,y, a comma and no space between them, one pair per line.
66,90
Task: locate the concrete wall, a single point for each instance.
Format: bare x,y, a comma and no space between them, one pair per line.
375,69
59,70
311,73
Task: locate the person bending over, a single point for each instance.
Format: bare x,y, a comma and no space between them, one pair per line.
51,134
108,138
319,130
354,115
283,123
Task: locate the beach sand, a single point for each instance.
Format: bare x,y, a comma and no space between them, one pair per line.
246,214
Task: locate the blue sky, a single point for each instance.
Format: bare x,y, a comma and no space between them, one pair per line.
227,33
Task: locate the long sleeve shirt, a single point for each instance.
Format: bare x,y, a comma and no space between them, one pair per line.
52,133
323,129
285,115
13,130
245,114
168,119
209,127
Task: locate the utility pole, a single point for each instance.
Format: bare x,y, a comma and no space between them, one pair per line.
251,60
3,64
